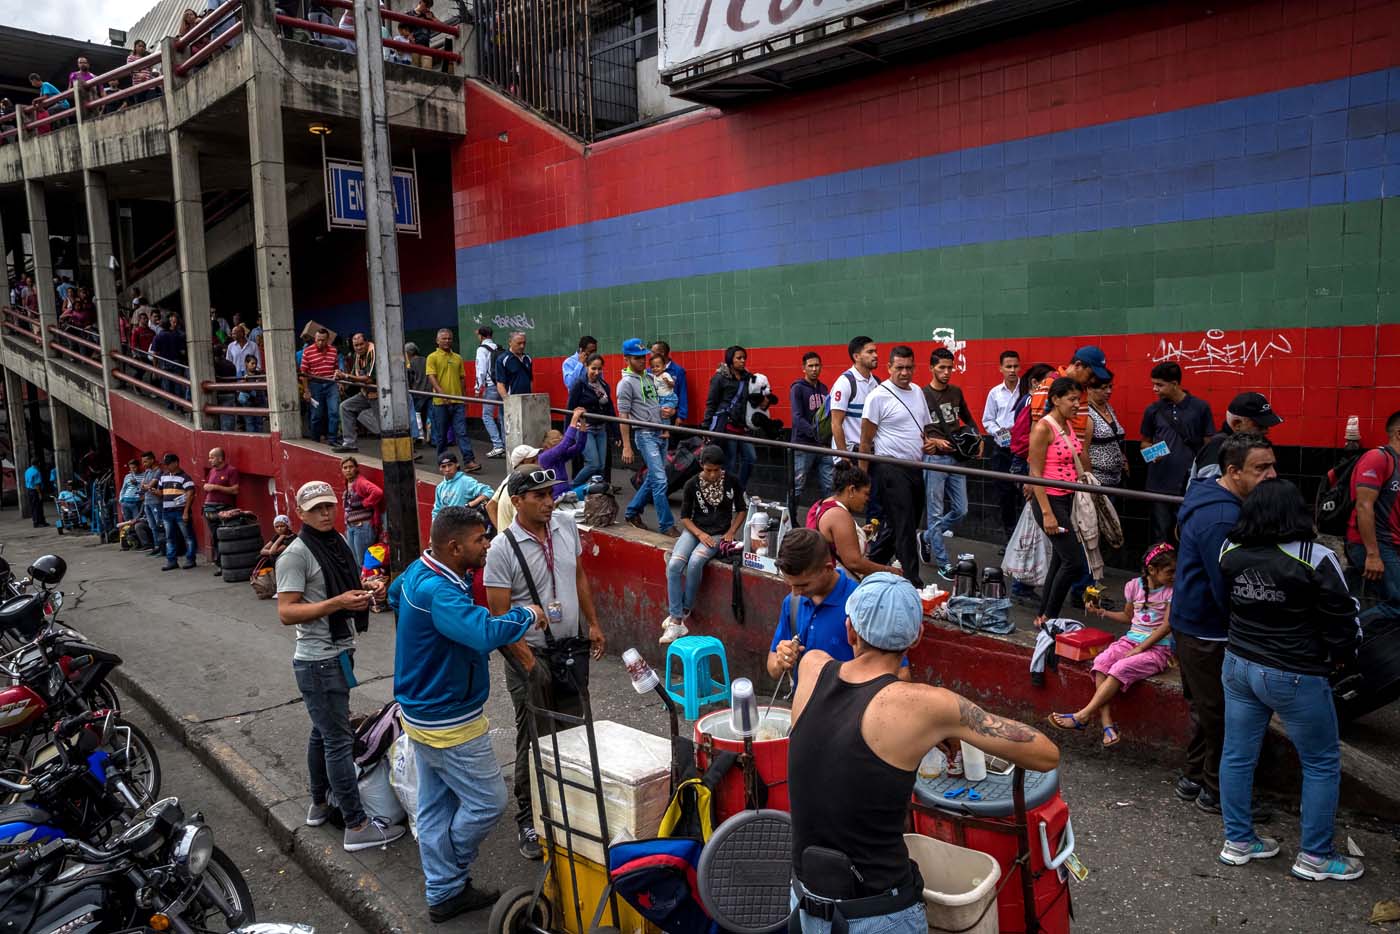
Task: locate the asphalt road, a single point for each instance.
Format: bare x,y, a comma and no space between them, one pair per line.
281,891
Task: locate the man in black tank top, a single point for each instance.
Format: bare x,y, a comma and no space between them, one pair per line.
857,738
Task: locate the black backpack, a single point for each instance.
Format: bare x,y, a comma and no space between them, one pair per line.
1334,504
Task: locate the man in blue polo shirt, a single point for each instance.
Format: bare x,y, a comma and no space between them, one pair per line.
815,611
34,491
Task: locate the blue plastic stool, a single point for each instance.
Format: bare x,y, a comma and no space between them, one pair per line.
697,686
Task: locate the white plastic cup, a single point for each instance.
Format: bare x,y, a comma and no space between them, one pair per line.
974,763
644,677
743,713
933,764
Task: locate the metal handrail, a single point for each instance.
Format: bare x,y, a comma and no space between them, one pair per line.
23,331
67,113
257,410
142,365
219,43
207,22
313,26
166,246
153,390
85,359
59,332
214,386
436,25
121,71
102,101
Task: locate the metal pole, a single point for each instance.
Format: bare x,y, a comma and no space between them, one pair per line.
385,298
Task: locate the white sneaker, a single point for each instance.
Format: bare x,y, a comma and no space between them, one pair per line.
671,630
947,533
496,452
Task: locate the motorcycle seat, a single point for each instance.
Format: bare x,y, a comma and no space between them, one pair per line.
23,814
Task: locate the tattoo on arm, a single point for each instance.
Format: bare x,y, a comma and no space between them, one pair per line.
985,724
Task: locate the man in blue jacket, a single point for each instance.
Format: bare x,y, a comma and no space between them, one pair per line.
441,680
1200,612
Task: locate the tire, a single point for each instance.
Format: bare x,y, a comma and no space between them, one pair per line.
237,533
143,766
237,575
239,561
223,874
513,908
103,695
240,546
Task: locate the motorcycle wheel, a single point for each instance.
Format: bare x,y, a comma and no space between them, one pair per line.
223,874
143,765
103,696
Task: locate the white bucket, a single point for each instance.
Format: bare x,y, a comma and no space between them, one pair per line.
952,899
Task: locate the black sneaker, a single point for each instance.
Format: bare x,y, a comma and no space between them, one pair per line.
470,898
1208,802
529,843
1187,790
1263,811
925,552
946,572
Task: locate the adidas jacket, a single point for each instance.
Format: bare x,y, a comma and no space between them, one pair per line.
1289,607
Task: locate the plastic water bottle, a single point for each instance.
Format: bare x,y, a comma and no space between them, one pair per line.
932,764
974,763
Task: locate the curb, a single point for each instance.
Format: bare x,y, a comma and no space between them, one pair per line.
358,893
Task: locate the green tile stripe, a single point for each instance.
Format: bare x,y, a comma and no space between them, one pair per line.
1324,266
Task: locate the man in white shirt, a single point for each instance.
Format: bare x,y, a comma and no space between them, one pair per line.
998,415
894,423
240,349
847,401
486,352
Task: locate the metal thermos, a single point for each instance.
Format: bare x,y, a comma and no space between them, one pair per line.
965,576
993,584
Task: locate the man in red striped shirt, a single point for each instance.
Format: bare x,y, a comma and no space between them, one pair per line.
319,362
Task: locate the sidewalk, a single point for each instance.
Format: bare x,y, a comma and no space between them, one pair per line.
213,665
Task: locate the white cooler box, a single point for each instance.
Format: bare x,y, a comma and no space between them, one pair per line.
636,773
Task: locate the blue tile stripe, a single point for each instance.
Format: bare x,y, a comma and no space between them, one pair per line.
1328,143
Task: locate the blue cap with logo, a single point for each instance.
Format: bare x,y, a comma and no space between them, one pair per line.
1094,359
886,612
633,347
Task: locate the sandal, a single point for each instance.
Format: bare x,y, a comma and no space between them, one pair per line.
1110,735
1057,721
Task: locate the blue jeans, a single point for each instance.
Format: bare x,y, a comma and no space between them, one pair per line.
912,920
461,796
325,410
177,526
491,418
945,504
802,467
684,571
1253,693
740,457
652,448
595,456
1386,590
330,750
155,521
455,415
360,536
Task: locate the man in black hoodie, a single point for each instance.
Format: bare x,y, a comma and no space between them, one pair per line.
1200,612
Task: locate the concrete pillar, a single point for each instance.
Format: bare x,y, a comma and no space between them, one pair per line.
62,442
104,280
527,419
194,265
272,251
19,435
43,259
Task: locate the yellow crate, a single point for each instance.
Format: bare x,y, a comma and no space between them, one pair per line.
592,879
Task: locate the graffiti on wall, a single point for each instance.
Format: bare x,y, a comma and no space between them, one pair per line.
949,339
514,322
1215,352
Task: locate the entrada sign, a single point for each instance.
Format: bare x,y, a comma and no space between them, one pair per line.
697,29
346,196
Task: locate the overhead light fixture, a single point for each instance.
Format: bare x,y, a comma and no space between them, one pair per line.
319,129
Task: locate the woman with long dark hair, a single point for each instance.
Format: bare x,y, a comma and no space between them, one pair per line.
1292,624
724,411
1055,455
592,394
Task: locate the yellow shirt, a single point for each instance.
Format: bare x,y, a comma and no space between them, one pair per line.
446,739
445,366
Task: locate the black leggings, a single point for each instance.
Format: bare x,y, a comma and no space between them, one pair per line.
1067,563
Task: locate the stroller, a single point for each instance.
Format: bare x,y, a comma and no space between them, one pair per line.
72,510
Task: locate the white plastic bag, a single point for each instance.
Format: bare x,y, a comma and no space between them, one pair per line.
1028,553
377,797
403,778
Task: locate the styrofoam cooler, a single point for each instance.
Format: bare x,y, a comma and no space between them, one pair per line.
959,885
635,768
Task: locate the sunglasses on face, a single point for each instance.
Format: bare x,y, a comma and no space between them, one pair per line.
542,476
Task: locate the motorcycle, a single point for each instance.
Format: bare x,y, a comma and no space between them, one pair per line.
159,870
23,614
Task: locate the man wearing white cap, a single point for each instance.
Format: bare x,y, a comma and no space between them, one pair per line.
319,592
851,774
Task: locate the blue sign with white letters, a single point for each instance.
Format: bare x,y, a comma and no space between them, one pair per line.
346,196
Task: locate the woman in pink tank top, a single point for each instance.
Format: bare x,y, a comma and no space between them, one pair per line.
1054,455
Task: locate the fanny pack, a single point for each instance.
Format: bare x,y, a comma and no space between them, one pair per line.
831,871
567,659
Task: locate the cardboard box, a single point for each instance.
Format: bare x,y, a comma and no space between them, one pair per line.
1082,644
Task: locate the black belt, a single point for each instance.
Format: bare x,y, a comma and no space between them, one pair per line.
839,911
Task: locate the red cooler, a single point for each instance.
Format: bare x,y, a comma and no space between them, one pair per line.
770,753
988,825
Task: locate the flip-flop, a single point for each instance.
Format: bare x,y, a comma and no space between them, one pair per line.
1111,735
1054,719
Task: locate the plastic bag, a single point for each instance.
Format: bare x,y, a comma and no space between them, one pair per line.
1028,552
403,778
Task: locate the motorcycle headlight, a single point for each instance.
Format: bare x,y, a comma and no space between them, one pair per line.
194,846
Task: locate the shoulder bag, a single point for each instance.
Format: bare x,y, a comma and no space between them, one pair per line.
567,658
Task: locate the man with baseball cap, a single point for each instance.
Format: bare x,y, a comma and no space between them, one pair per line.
1249,413
638,399
1088,362
319,592
850,776
457,488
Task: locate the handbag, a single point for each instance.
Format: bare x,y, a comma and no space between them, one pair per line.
567,658
1028,552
